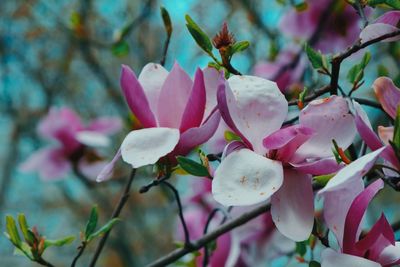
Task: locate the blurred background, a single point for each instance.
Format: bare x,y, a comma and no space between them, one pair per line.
69,53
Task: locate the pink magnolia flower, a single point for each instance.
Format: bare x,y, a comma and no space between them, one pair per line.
73,140
377,248
389,97
279,165
177,114
341,30
385,24
288,80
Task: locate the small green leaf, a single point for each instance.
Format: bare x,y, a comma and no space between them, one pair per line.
12,231
104,229
301,248
303,94
314,264
167,20
392,3
24,250
214,65
239,47
231,136
120,49
23,225
192,167
396,132
198,35
301,6
92,222
382,70
322,180
356,73
59,242
314,57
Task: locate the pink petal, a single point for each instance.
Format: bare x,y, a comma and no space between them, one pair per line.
334,214
194,111
257,107
390,17
318,167
390,255
91,169
287,140
212,78
107,171
364,128
106,125
355,215
385,134
51,164
174,96
388,95
354,171
136,98
377,30
152,78
146,146
331,258
330,119
382,229
245,178
232,146
292,206
197,135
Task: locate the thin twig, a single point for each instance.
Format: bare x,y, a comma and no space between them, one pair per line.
81,249
117,211
206,239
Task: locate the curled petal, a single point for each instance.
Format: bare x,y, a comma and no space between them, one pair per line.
318,167
152,77
355,170
330,119
390,17
146,146
232,146
194,111
292,206
173,98
377,30
107,171
355,215
197,135
331,258
287,140
388,95
246,178
136,98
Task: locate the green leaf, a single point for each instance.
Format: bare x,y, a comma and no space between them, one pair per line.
239,47
59,242
104,229
356,73
392,3
382,70
231,136
301,248
214,65
322,180
303,94
314,264
192,167
12,231
24,250
23,225
120,49
198,35
301,6
314,57
167,20
92,222
396,133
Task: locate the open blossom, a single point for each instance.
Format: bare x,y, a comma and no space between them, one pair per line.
377,248
274,162
341,30
385,24
176,113
74,143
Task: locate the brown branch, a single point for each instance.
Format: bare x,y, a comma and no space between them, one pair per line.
314,95
200,243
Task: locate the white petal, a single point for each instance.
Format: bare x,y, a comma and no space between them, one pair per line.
331,258
146,146
292,207
355,170
93,139
257,107
246,178
390,254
